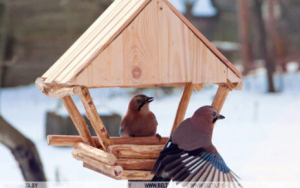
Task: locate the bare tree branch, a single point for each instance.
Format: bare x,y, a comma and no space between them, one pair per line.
23,150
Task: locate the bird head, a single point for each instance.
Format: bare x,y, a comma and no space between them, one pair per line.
140,103
208,113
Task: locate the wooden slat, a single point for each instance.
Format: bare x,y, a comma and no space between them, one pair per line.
93,116
136,175
78,121
136,164
140,50
98,39
208,68
220,98
177,48
58,93
85,36
184,102
239,86
95,43
84,40
95,153
198,87
109,33
136,151
203,39
109,170
95,169
232,77
67,140
106,69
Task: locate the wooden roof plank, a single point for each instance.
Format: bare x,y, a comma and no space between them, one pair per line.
106,69
110,33
96,40
81,39
233,78
190,57
204,39
92,37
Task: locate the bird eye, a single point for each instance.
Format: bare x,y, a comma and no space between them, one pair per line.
214,113
138,101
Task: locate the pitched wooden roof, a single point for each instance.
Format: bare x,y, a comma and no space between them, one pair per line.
141,42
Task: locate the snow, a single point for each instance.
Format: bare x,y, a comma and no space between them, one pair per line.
202,8
258,139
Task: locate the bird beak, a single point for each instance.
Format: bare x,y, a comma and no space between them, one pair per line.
150,99
221,116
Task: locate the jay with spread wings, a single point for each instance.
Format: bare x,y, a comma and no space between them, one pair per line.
189,156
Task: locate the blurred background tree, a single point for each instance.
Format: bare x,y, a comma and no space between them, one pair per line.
22,148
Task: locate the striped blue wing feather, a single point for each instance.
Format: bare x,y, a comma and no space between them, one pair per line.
188,167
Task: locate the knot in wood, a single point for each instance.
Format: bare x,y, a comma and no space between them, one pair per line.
136,73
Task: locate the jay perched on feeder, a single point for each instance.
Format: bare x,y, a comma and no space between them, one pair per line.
190,157
139,120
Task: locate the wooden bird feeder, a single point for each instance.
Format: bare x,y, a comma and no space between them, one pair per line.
134,43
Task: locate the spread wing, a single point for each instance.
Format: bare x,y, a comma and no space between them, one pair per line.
190,167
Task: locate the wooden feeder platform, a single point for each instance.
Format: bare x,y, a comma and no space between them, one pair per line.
134,43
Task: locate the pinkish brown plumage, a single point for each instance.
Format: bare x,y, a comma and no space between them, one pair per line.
190,157
138,120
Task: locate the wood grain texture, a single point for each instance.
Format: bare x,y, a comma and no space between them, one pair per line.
177,47
98,40
141,43
220,98
136,151
69,141
239,86
182,107
136,164
95,169
109,170
60,93
82,38
140,48
203,38
208,68
106,69
95,153
136,175
198,87
93,116
78,121
107,35
232,77
81,49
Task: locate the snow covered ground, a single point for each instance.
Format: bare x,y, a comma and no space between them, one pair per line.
259,138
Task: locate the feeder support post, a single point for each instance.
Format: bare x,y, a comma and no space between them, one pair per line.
184,102
78,120
93,116
220,98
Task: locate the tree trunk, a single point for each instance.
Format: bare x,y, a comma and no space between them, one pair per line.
278,46
24,152
3,25
244,35
269,60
